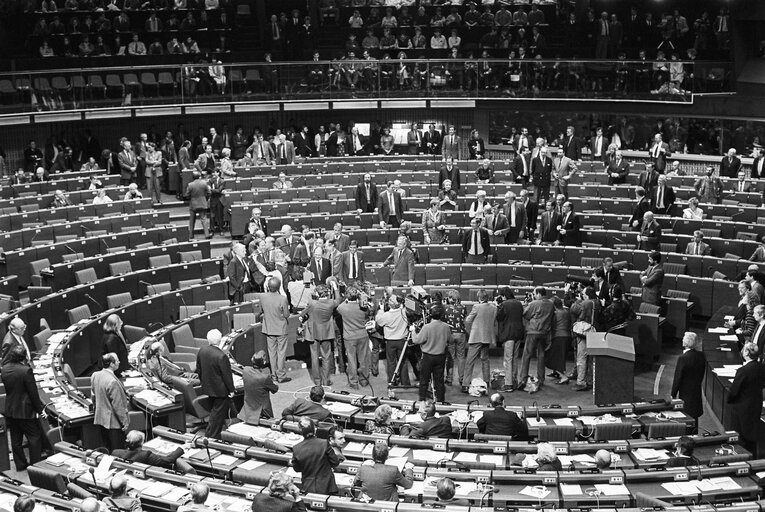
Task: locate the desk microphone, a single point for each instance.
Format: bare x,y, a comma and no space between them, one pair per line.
184,305
84,229
103,240
94,301
148,285
618,239
70,248
736,215
206,444
37,232
92,472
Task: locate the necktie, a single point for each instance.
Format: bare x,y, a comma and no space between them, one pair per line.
598,144
354,264
757,333
392,204
740,186
698,248
512,216
660,202
24,344
369,198
318,266
475,243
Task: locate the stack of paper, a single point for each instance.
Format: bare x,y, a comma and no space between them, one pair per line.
536,422
497,460
465,457
728,337
680,488
161,446
413,418
563,421
251,464
341,408
538,491
612,490
157,489
647,454
225,460
718,330
570,489
399,462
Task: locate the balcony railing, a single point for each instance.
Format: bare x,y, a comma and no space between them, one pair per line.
67,89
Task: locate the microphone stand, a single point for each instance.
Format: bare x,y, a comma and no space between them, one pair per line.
206,443
92,472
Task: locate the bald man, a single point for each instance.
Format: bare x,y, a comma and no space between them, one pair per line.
14,337
120,499
214,369
602,459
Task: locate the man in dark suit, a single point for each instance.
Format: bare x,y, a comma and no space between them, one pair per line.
548,225
741,184
510,333
572,145
214,369
569,229
449,171
641,206
303,143
618,169
276,312
649,238
134,452
238,273
541,175
758,165
758,336
476,246
391,207
648,179
288,244
745,398
317,317
662,197
402,260
697,246
258,386
22,406
320,267
730,164
659,153
515,214
521,165
430,426
366,195
689,374
315,459
380,481
500,421
532,212
310,407
198,192
431,141
599,146
352,267
605,278
14,338
652,278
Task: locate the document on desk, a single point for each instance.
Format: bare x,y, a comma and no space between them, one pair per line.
646,454
413,418
139,484
251,464
161,446
239,505
570,489
680,488
225,460
157,489
718,330
344,479
251,431
341,408
563,421
214,499
587,420
728,337
612,490
537,491
725,483
431,455
536,422
177,494
397,451
497,460
355,448
465,457
58,459
399,462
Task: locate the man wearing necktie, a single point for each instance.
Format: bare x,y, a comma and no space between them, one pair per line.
450,172
659,153
402,261
13,338
476,245
698,247
238,273
391,207
541,175
757,165
353,264
413,140
366,196
563,168
569,229
451,145
498,225
111,403
758,337
730,164
649,238
598,145
602,41
515,215
618,169
663,197
320,267
128,163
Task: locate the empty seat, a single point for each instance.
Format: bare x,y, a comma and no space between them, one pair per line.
154,289
133,333
65,238
149,82
74,315
96,85
41,338
144,245
710,233
244,320
212,305
119,268
161,260
118,299
188,283
166,81
668,247
67,258
38,292
85,276
612,431
35,269
189,311
189,256
59,84
548,433
651,309
674,268
184,340
662,429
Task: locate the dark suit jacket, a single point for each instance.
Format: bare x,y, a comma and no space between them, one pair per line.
314,458
384,206
319,323
484,237
622,169
235,272
214,369
434,427
258,387
603,146
755,168
500,421
403,266
651,234
572,147
641,207
361,198
345,267
334,146
541,172
573,235
452,174
548,227
669,199
22,400
150,458
745,397
660,162
9,342
305,407
510,320
434,139
691,249
689,375
264,501
648,180
532,212
730,167
113,343
326,271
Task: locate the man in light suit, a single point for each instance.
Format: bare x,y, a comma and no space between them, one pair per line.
214,369
413,140
618,169
599,146
261,151
663,197
198,192
22,407
563,168
258,386
341,239
391,207
13,338
238,273
476,246
497,225
652,278
515,214
569,229
320,267
450,172
276,312
451,146
128,163
110,403
659,153
366,196
649,238
730,164
352,267
320,331
402,260
698,247
481,324
284,150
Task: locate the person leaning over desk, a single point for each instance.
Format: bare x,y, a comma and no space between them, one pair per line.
380,481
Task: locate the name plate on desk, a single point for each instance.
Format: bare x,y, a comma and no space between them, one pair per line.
239,453
549,480
139,473
616,479
500,449
681,477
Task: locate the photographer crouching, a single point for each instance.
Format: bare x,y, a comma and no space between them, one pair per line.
434,338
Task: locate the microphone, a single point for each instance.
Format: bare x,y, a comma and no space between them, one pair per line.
148,285
105,244
94,301
736,215
184,304
84,229
206,444
70,248
37,232
92,472
618,239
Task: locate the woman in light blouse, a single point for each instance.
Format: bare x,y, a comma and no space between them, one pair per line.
153,172
433,223
693,211
477,207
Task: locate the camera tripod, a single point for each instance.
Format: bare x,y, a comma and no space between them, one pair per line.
397,371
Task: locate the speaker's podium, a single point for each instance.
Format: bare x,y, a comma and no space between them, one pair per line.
613,367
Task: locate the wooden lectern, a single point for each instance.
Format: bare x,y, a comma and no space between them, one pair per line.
613,367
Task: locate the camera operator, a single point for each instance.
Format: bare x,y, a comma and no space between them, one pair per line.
587,310
355,336
454,315
510,329
434,337
617,312
395,326
539,315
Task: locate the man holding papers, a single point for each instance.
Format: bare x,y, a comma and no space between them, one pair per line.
689,375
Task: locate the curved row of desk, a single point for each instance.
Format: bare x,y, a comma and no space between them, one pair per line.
68,182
